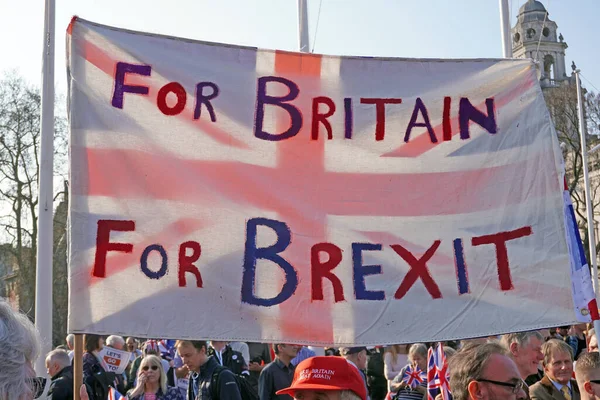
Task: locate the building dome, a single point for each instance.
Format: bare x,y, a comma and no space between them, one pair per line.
531,11
532,5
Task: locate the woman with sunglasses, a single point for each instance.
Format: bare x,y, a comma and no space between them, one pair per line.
152,382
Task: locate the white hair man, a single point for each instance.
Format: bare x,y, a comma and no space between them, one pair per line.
587,371
558,368
525,348
116,342
58,366
19,348
71,345
358,357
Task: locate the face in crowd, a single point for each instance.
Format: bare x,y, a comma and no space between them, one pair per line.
528,356
560,367
593,344
131,345
501,379
150,371
193,358
288,350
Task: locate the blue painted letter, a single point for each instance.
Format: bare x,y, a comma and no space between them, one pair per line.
121,87
144,262
252,253
262,98
360,271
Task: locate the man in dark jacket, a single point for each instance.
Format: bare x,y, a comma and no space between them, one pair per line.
58,365
194,354
228,357
376,381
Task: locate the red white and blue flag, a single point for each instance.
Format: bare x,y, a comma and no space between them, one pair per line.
235,193
438,374
412,376
113,394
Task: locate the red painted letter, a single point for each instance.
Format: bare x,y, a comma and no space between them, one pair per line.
418,269
446,122
103,244
322,118
499,240
380,111
161,98
320,270
186,263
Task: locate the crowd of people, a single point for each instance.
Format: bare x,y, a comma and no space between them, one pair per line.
561,364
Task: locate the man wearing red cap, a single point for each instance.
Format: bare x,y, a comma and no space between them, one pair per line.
326,378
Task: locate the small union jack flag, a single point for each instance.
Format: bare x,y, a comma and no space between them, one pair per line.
113,394
412,376
438,376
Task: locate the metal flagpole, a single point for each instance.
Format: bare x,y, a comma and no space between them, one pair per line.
43,282
303,40
505,29
588,195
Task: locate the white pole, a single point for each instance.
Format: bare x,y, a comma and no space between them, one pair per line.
303,40
43,282
505,29
588,195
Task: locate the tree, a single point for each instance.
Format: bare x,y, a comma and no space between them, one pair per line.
19,165
562,105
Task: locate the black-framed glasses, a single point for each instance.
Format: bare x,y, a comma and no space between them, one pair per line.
145,368
514,386
595,381
37,386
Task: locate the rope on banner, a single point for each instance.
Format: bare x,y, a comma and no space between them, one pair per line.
317,26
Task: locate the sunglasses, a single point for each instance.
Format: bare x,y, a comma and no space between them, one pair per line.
146,368
37,386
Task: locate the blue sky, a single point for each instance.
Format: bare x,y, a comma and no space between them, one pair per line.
393,28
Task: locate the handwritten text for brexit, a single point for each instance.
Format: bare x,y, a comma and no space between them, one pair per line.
172,98
324,258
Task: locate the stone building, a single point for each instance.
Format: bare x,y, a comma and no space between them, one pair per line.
536,36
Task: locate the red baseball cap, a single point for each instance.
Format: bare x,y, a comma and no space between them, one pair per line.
327,373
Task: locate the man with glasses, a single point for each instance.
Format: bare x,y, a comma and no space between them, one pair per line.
558,368
587,371
485,372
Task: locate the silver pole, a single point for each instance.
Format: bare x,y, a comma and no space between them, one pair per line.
43,281
303,39
505,29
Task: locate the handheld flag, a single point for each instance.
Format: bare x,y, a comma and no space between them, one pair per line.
438,376
113,394
412,376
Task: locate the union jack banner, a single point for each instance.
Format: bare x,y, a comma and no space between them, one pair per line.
235,193
438,375
412,376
